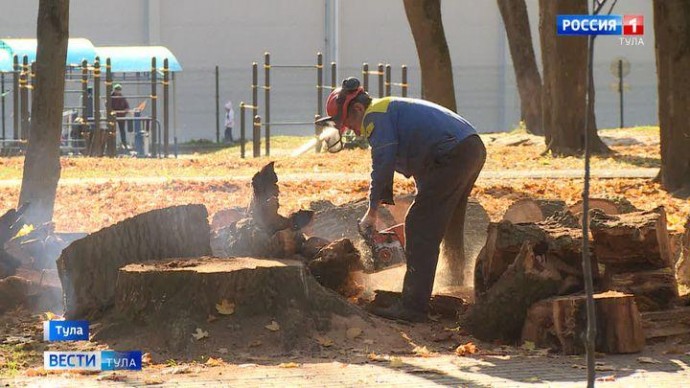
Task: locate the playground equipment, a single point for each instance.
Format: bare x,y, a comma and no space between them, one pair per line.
90,125
384,89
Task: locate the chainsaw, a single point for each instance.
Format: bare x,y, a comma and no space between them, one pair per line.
386,247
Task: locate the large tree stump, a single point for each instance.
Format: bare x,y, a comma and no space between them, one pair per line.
655,289
635,240
557,238
174,297
500,314
619,325
533,210
88,268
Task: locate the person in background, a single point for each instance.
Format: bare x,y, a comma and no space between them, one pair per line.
120,107
229,123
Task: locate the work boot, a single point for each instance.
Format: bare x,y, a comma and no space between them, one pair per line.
398,311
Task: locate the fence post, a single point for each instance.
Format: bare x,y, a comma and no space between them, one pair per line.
243,136
15,97
24,97
2,93
404,81
256,146
166,107
97,142
255,89
217,105
317,131
267,100
319,83
388,80
334,76
380,75
111,122
365,77
154,109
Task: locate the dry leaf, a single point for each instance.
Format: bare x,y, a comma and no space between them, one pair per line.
212,362
199,334
353,332
34,372
607,378
52,317
604,368
247,366
528,346
648,360
211,318
376,357
396,362
289,365
468,348
225,307
324,341
273,326
255,344
146,359
421,351
153,381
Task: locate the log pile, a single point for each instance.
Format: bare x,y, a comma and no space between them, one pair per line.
529,279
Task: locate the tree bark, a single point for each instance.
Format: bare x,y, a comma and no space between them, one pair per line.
672,43
516,21
564,60
426,24
654,290
42,162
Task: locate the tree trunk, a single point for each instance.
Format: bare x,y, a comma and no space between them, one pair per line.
671,20
88,267
654,290
564,60
516,21
42,162
426,24
501,313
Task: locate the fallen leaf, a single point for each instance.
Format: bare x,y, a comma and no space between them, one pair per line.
212,362
255,344
225,307
353,332
421,351
396,362
324,341
52,317
211,318
465,349
605,368
153,381
528,346
376,357
247,366
273,326
607,378
178,370
648,360
34,372
146,359
223,350
111,377
199,334
289,365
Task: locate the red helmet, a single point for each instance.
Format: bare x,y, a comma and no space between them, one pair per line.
338,102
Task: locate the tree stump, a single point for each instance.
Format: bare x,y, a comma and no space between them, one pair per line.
500,314
170,299
634,240
619,324
334,264
558,238
88,267
533,210
655,289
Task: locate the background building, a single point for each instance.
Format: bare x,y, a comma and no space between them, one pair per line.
234,33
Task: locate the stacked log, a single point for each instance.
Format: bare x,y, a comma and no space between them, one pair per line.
636,253
683,264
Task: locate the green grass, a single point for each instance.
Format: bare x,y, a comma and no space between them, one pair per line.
15,358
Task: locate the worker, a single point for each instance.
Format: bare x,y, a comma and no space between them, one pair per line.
440,150
120,107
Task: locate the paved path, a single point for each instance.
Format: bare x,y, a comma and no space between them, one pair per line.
643,173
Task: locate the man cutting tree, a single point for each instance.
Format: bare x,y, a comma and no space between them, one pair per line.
440,150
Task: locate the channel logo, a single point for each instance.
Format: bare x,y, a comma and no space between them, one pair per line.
626,25
65,330
106,360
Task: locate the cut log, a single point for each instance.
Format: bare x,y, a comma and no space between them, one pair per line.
533,210
332,222
10,224
558,238
226,217
312,246
334,265
655,289
635,240
683,264
661,325
263,208
88,267
175,297
560,323
500,314
446,306
619,324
